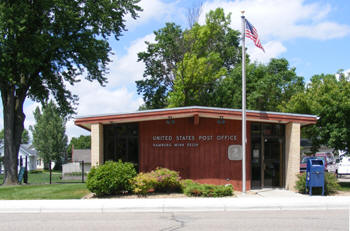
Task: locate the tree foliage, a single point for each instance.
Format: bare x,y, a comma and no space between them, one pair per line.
44,46
202,66
326,96
81,142
182,66
49,138
268,87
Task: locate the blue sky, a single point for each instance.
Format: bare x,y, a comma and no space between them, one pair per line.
312,35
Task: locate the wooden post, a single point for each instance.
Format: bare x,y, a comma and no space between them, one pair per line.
50,171
82,171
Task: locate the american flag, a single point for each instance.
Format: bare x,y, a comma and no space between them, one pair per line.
251,33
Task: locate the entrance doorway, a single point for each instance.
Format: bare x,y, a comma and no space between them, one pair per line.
121,142
267,155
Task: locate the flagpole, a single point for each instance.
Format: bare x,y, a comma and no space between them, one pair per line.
243,108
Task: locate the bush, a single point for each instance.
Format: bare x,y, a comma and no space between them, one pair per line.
144,183
167,180
208,190
159,180
185,183
330,184
111,178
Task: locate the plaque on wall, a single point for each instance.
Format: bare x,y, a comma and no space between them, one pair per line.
235,152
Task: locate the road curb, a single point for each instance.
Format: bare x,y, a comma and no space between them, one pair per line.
172,205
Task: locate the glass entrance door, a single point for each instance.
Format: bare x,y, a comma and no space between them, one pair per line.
272,162
267,142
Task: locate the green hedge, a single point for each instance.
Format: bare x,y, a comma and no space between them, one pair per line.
330,183
207,190
159,180
111,178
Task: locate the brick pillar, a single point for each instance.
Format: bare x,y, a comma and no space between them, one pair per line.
96,144
292,154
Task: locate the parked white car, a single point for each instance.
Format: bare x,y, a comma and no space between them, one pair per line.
343,167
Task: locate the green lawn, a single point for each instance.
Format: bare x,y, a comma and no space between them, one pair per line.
53,191
344,186
44,178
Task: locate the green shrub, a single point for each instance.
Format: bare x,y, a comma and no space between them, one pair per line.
111,178
167,180
330,184
208,190
144,183
185,183
300,184
159,180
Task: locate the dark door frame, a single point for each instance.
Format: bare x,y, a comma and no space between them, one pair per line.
281,140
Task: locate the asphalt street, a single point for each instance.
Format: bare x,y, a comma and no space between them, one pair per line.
203,221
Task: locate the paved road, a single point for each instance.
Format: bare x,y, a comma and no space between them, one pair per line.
203,221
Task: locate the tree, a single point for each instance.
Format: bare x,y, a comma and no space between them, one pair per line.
46,45
24,139
326,96
160,61
269,87
49,138
81,142
196,80
173,60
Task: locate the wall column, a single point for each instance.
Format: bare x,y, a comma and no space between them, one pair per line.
292,154
96,144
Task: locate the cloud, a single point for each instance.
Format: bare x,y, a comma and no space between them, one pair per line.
278,21
29,108
119,94
97,100
347,72
94,99
151,10
272,50
126,69
283,20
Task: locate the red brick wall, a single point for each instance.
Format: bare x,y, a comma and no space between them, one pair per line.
206,161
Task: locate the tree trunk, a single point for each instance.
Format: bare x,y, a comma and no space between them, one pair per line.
13,128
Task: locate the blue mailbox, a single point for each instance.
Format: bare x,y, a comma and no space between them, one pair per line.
314,174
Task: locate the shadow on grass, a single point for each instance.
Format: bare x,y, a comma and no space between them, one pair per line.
344,186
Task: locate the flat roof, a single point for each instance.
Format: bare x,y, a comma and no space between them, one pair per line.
200,111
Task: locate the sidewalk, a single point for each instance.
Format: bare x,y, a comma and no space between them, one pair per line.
267,199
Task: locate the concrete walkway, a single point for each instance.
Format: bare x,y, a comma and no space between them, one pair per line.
267,199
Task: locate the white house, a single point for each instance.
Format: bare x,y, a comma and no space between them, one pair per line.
25,150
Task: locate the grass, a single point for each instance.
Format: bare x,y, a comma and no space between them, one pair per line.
41,192
44,178
344,186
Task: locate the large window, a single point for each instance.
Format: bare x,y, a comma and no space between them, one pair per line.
121,142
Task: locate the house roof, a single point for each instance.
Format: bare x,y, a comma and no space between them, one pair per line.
26,149
202,112
82,155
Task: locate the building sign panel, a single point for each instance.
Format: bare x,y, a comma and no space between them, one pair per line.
188,141
235,152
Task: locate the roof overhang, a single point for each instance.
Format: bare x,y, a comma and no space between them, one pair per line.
195,111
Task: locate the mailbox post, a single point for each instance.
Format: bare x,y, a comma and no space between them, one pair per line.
314,174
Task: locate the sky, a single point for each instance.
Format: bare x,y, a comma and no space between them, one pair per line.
312,35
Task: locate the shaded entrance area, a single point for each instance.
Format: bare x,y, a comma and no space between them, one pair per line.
121,142
267,155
